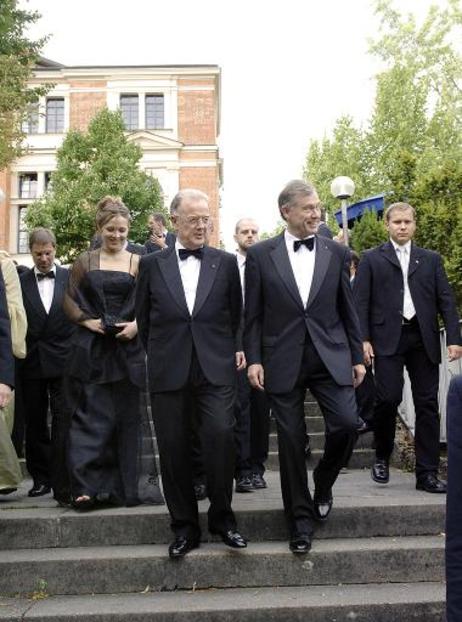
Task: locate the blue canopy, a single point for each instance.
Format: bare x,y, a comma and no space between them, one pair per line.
356,210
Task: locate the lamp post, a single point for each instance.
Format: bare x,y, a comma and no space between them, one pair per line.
343,188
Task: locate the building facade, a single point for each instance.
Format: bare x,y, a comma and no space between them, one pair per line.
171,112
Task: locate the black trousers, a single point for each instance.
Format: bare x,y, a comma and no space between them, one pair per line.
173,420
45,454
338,406
389,381
454,503
252,428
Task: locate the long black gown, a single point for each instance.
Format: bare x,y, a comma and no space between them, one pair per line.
107,381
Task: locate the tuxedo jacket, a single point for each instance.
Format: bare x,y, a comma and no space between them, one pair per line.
276,321
379,293
169,332
150,247
6,351
48,334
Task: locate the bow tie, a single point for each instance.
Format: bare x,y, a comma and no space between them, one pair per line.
184,253
309,243
45,275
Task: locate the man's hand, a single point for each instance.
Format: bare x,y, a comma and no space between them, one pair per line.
5,395
93,324
454,353
130,330
256,376
368,352
158,240
240,361
359,371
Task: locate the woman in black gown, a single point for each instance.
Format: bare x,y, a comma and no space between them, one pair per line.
107,373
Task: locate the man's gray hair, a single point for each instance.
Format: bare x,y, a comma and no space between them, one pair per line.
188,193
292,190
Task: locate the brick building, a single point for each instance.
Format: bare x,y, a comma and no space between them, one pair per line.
171,112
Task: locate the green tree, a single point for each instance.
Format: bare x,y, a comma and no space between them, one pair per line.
17,58
368,232
91,165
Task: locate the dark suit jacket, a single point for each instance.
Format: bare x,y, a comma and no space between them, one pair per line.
169,332
276,321
48,335
6,353
150,247
379,290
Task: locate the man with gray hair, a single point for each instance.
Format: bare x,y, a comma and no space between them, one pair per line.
302,331
188,308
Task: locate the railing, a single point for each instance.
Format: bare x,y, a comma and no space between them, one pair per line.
447,371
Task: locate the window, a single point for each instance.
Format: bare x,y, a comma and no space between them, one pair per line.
23,235
47,181
30,123
154,111
129,108
55,115
28,185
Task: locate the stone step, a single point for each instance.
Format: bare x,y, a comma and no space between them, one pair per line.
118,569
317,441
360,459
378,602
361,509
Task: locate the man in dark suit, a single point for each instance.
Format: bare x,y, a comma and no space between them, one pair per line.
188,308
159,237
400,289
48,338
302,331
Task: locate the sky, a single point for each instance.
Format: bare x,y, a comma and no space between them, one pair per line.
289,70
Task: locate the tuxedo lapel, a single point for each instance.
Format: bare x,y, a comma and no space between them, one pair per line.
414,260
31,291
281,262
168,266
321,263
209,267
60,280
389,253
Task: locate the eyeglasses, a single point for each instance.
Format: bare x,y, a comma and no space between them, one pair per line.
196,220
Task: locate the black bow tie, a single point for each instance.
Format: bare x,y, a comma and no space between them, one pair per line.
309,243
184,253
45,275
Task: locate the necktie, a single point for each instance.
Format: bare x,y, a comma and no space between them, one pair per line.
309,243
408,305
184,253
45,275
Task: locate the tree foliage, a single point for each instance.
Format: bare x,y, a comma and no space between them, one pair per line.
368,232
17,58
91,165
411,148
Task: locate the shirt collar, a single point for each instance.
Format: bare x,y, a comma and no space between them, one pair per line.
52,269
240,258
399,247
291,238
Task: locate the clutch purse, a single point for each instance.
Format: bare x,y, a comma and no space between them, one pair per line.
109,324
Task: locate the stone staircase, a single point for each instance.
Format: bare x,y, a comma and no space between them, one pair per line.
379,558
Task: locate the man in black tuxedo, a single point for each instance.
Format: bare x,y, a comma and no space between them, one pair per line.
159,237
302,331
48,339
400,289
188,308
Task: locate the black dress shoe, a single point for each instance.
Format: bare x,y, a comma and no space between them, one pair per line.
233,539
244,484
431,483
258,481
38,490
200,490
182,545
300,543
322,504
380,472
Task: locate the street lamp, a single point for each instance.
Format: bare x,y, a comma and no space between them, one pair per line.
343,188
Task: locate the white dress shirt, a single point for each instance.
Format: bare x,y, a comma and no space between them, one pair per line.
302,263
403,252
46,288
189,272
